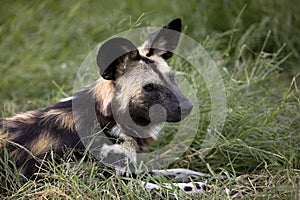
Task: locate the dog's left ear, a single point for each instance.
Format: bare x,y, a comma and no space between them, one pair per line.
113,54
164,41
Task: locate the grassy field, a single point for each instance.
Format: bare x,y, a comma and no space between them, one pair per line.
256,45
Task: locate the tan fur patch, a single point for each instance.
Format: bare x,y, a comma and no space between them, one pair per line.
143,51
63,118
2,138
38,146
16,154
43,143
6,138
26,118
103,91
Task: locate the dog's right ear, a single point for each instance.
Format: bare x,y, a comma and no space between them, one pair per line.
112,54
164,41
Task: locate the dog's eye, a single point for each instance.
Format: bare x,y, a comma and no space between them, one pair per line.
149,87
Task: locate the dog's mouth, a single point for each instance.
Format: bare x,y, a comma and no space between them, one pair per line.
158,113
143,120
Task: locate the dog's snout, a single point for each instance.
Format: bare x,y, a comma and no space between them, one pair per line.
186,107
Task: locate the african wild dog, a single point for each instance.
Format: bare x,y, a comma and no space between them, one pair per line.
135,83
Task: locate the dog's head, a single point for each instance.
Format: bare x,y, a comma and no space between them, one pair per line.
145,86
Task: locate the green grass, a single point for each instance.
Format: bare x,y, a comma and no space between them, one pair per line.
257,48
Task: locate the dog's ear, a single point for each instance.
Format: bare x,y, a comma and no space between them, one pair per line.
112,54
164,41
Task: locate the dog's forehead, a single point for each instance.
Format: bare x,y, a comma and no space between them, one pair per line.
156,62
161,64
158,67
147,69
156,71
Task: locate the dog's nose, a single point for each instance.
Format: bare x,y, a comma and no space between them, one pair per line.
186,107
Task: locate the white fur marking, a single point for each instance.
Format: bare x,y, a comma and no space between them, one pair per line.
67,99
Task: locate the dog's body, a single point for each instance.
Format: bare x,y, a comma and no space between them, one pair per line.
121,103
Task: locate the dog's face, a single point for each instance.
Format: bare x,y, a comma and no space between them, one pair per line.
151,93
145,86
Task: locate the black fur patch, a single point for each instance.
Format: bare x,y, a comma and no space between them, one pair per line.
188,188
